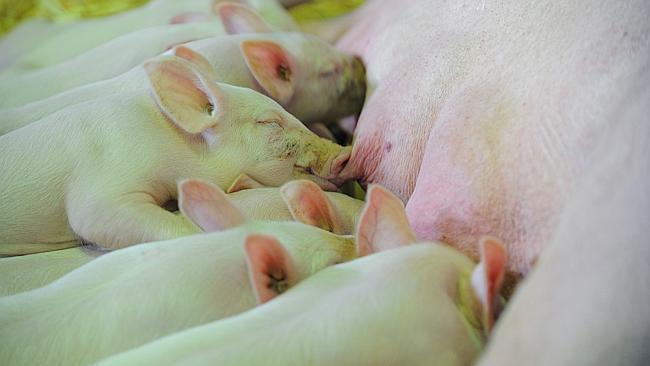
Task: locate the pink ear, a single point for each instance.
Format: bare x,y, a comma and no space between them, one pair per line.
270,65
487,277
240,19
308,204
383,224
196,59
243,181
185,95
269,267
189,17
207,206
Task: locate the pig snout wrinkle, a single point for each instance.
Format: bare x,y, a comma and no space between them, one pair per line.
338,164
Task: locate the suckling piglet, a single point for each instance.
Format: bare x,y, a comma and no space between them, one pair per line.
41,43
423,304
99,171
134,295
309,78
299,200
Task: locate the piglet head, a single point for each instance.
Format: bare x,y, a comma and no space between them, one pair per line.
307,76
243,131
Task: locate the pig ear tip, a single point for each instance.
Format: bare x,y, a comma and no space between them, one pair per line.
307,184
184,183
149,65
377,192
189,182
492,243
220,7
179,49
228,8
298,183
250,43
286,188
188,187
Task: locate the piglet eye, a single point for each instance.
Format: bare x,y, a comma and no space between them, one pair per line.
270,123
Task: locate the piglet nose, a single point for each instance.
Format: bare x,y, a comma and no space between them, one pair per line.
340,162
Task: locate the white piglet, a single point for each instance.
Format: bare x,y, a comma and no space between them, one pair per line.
44,43
424,304
134,295
118,55
102,62
309,78
27,272
298,200
101,170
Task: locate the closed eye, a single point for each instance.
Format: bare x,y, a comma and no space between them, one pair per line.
271,123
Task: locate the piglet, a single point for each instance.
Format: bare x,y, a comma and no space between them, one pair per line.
309,78
299,200
423,304
53,43
119,55
27,272
101,170
134,295
102,62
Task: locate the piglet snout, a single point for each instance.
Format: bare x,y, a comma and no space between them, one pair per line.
339,162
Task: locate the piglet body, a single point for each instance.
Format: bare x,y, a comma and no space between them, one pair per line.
421,304
103,62
324,83
38,43
101,170
134,295
27,272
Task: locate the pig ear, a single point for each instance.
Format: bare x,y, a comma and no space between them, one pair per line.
207,206
271,67
308,204
195,59
488,277
382,224
242,182
189,17
186,96
269,267
240,19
